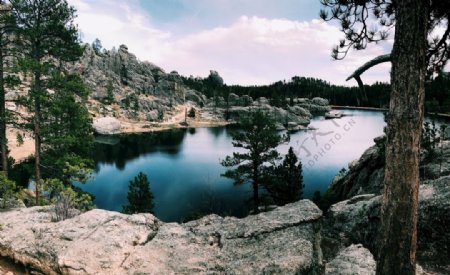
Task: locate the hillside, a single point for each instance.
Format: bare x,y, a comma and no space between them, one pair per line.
129,95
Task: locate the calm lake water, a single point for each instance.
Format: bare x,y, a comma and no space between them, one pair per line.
184,169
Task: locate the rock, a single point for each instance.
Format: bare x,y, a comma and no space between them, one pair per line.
11,204
12,96
299,111
233,99
434,221
280,115
354,260
152,115
107,126
315,105
261,101
196,97
283,241
349,222
246,100
320,101
356,221
366,175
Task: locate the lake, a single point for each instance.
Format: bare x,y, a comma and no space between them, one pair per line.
183,165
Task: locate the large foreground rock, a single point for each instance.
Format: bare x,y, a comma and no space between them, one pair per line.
283,241
357,220
106,126
355,260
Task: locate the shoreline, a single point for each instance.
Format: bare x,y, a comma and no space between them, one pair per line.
338,107
22,152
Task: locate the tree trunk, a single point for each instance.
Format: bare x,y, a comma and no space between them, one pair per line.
255,190
3,138
398,232
37,133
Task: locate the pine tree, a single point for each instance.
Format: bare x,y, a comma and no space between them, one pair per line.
67,133
140,197
46,35
259,138
285,181
418,51
7,27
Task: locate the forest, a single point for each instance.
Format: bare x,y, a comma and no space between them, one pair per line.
280,93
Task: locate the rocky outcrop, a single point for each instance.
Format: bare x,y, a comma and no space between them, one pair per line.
295,117
117,76
107,126
315,105
283,241
365,175
356,221
355,260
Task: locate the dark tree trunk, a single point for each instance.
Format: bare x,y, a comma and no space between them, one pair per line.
3,138
37,133
398,234
255,190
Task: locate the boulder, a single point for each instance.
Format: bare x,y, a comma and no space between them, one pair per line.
356,221
283,241
233,99
107,126
355,260
152,115
315,105
320,101
350,222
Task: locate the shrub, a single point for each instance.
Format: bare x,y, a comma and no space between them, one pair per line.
191,113
7,191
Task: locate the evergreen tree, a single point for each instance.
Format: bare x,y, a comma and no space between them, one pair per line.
7,190
285,181
109,92
67,134
46,35
140,197
259,138
7,27
97,46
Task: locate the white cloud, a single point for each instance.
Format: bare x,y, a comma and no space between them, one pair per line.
252,50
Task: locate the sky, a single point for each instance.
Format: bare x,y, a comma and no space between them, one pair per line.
249,42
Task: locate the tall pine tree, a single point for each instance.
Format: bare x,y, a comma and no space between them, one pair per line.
46,35
7,27
259,138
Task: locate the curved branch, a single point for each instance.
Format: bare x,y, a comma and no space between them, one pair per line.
377,60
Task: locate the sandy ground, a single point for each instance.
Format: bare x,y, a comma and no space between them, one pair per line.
17,151
173,120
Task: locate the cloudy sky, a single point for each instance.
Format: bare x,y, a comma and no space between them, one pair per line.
247,41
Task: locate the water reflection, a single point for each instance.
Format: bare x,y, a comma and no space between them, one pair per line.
121,149
184,169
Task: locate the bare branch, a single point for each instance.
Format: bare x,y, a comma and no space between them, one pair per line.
377,60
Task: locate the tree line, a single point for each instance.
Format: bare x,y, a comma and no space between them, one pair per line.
281,93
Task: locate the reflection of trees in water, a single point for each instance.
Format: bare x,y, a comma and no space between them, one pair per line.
192,131
131,146
210,200
217,131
